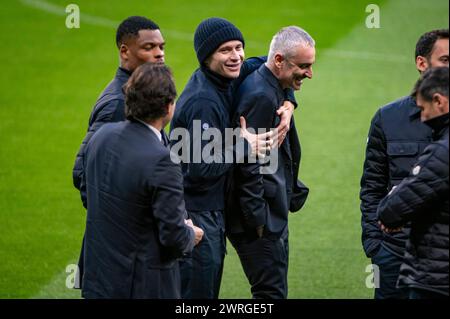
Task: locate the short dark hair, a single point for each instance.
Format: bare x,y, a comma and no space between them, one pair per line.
148,92
434,80
426,42
130,27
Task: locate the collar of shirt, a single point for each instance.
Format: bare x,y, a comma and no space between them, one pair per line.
158,133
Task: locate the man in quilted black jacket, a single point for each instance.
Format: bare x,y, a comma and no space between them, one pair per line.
422,198
396,138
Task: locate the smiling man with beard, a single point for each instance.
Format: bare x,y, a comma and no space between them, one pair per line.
258,224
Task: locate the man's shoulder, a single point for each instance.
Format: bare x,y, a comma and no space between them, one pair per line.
256,87
441,146
197,89
401,114
197,97
402,105
255,80
435,157
113,91
112,94
110,106
108,129
134,137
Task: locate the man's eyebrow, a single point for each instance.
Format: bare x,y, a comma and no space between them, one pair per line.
228,47
153,43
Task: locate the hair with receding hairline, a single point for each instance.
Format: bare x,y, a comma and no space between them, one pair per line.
287,39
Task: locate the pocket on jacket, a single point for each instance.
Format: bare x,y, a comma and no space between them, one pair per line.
402,157
396,149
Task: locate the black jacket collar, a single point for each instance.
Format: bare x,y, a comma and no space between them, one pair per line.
439,125
122,76
121,72
415,111
221,82
270,77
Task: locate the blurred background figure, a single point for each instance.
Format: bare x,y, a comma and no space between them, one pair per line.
422,198
396,138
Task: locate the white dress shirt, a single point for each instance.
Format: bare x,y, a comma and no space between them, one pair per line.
155,130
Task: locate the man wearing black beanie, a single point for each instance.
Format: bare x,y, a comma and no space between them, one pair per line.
207,98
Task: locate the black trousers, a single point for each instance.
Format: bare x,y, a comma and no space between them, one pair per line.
201,271
265,262
389,266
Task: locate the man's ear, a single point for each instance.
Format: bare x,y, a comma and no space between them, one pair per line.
421,64
123,51
170,108
279,59
440,102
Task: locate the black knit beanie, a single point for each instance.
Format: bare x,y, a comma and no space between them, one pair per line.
211,33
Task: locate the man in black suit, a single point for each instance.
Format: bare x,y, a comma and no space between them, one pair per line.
258,224
136,226
138,40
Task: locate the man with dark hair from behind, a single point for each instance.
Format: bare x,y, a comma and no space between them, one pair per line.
135,227
139,40
396,138
422,198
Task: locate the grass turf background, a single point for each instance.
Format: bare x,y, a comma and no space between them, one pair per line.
51,77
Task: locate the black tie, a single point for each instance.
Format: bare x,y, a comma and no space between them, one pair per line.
164,139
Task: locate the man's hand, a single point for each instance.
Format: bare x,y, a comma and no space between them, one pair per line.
285,112
198,234
197,231
389,230
260,143
260,231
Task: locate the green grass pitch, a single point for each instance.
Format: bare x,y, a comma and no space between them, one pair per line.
51,77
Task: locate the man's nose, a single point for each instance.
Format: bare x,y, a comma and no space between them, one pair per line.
159,53
235,55
309,73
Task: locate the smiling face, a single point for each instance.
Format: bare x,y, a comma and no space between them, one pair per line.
227,59
148,46
297,66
